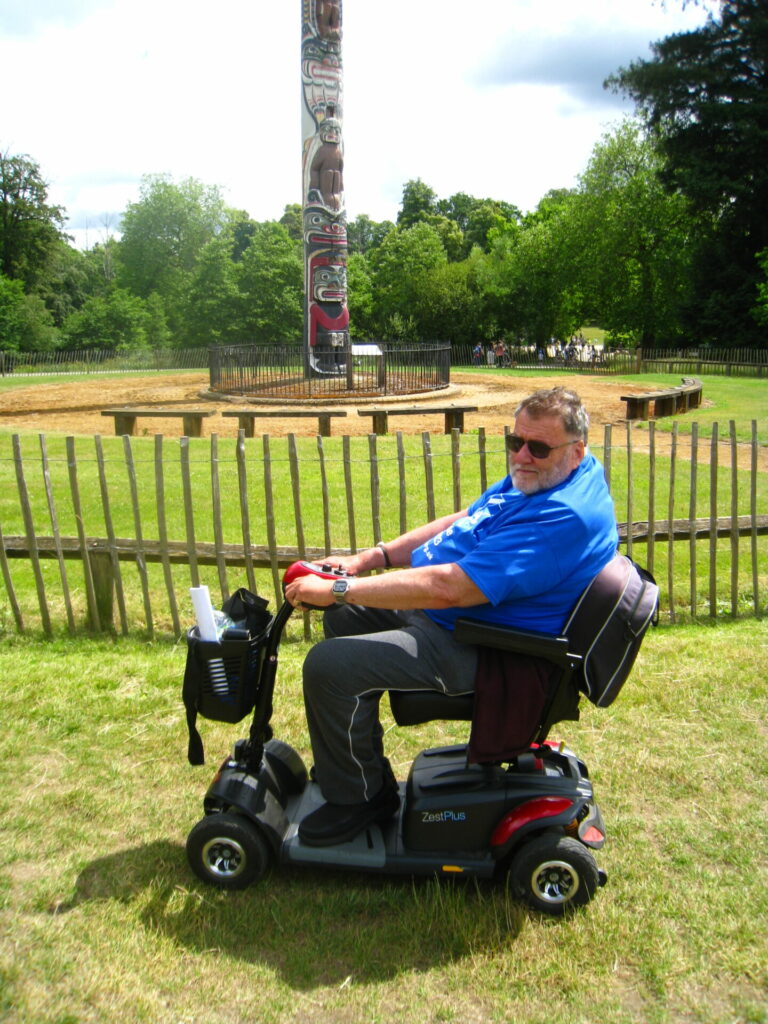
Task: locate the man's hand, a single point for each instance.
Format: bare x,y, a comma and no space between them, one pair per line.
310,591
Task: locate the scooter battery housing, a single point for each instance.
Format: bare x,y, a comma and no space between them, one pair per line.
449,804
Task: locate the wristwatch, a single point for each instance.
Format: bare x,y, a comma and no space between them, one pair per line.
339,590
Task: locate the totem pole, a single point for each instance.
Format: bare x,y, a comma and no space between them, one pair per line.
326,317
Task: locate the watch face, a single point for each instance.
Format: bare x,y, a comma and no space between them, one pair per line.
340,586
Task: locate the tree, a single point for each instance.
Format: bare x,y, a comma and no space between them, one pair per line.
364,234
626,239
705,93
25,323
417,203
360,297
30,228
270,280
528,279
293,221
163,234
213,307
401,259
118,321
449,305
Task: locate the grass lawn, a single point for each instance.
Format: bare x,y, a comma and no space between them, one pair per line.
102,921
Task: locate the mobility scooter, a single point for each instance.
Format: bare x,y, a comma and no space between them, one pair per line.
534,818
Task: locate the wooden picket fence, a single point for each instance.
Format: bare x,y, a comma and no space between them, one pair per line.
111,533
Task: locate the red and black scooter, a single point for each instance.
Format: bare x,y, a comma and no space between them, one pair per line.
534,820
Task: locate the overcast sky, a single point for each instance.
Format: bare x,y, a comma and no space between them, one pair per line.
496,98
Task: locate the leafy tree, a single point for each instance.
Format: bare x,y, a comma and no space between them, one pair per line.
418,202
30,228
706,94
483,218
163,235
527,281
25,323
66,284
364,234
270,280
360,297
449,306
625,238
458,207
402,258
240,229
118,321
760,312
293,221
213,306
450,235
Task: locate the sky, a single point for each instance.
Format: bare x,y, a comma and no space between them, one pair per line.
500,99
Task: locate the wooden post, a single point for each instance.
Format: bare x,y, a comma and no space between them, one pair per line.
103,587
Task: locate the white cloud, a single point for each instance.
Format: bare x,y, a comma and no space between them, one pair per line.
502,98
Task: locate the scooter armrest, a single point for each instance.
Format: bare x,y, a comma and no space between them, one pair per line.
518,641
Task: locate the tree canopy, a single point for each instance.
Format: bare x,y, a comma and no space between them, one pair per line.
704,96
662,241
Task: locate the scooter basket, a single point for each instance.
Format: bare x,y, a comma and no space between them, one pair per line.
224,676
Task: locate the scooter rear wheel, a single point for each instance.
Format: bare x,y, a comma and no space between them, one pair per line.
227,850
554,874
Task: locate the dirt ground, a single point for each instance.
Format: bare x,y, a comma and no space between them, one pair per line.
75,407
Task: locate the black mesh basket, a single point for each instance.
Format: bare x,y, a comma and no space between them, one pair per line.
223,676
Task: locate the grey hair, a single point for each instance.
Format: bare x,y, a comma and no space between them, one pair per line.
558,402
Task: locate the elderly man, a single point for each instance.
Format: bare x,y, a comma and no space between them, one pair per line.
520,555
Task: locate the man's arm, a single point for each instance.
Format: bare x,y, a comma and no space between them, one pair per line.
432,586
399,550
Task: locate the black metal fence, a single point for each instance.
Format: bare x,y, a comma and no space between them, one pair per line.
99,360
366,368
392,369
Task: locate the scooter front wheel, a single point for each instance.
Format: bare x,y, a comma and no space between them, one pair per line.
554,874
227,850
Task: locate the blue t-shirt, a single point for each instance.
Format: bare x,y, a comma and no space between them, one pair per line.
531,555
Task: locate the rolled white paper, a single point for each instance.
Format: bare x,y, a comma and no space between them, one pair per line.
201,602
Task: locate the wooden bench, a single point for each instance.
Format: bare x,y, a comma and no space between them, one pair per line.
454,415
246,417
125,419
665,403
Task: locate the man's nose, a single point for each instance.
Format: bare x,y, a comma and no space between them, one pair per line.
523,455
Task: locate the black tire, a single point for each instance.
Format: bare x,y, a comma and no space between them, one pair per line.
554,874
228,851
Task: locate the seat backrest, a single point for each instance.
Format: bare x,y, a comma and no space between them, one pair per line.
608,624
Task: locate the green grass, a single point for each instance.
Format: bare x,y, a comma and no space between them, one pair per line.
101,919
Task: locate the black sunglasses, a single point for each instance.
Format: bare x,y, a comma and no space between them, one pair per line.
538,449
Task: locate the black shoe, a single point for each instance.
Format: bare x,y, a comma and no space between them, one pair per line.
338,823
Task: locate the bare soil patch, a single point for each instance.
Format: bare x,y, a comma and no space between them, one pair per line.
74,407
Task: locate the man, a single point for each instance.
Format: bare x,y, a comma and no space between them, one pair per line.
520,555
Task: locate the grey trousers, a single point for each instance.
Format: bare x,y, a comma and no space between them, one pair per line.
366,652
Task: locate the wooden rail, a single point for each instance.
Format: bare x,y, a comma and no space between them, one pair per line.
125,515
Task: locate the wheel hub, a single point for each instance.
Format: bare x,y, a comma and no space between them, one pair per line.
224,857
555,881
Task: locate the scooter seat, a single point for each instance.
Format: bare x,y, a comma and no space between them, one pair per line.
415,707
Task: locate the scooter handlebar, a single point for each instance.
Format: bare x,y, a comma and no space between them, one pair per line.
326,571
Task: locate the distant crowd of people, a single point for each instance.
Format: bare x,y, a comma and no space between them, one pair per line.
500,354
